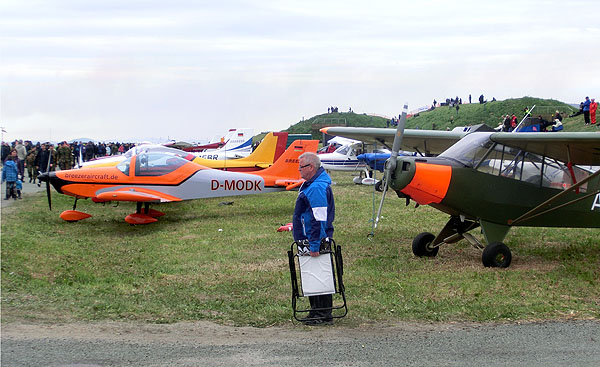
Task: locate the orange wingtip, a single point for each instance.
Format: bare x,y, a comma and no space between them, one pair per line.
73,215
139,219
324,130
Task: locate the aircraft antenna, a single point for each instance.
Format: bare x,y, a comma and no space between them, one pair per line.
391,163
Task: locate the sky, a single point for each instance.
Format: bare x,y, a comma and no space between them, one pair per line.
189,70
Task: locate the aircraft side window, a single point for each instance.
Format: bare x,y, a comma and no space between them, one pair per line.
124,166
343,150
157,164
558,176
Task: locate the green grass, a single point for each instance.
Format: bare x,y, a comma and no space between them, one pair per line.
184,268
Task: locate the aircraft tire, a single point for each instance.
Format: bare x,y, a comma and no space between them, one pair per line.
496,255
379,186
420,243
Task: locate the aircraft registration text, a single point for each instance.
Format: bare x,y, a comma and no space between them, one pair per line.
236,185
596,204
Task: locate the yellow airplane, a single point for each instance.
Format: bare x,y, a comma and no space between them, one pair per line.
267,152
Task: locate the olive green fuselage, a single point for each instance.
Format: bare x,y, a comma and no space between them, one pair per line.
498,199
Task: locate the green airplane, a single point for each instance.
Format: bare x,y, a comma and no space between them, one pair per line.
492,180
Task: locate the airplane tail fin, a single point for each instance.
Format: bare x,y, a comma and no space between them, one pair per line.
240,141
271,147
286,167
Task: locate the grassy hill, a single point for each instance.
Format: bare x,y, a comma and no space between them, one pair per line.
442,118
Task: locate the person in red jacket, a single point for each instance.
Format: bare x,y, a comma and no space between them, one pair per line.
593,108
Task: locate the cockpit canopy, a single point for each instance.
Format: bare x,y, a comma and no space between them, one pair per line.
152,163
477,151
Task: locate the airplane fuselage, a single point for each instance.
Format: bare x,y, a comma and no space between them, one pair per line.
458,190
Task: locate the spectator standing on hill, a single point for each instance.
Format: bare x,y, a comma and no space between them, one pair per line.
593,108
586,110
469,99
481,99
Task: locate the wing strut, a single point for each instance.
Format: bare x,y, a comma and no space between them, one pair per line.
534,212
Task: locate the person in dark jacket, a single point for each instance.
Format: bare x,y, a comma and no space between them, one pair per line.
43,161
313,223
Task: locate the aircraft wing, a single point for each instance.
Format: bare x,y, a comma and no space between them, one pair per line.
136,195
424,141
576,147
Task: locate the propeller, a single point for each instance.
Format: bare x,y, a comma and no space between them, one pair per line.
45,177
391,163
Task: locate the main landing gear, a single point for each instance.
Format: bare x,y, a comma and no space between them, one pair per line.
496,254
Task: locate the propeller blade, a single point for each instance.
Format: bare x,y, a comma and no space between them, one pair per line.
391,164
48,194
45,177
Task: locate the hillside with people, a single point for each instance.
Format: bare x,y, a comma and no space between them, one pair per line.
448,116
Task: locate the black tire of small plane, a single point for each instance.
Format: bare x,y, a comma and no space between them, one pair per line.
496,255
379,186
419,245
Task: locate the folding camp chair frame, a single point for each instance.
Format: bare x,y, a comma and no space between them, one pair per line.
337,264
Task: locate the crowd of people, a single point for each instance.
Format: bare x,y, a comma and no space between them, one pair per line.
20,156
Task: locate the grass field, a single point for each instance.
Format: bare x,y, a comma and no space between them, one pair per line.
185,268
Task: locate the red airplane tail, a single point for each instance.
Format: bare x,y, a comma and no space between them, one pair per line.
285,169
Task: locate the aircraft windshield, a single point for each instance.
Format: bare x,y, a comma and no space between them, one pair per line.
470,149
157,164
124,166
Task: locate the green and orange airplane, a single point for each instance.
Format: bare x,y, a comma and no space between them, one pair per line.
492,180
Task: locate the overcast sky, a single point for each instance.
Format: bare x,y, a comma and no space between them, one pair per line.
190,70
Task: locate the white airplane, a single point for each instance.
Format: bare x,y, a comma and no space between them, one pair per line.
238,145
345,159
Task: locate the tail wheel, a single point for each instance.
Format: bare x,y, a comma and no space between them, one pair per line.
421,245
496,255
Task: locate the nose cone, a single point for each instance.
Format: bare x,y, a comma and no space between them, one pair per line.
404,173
44,177
425,183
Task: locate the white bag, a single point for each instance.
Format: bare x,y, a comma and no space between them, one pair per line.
316,274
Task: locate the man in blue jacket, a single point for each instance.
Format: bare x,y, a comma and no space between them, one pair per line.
313,223
586,110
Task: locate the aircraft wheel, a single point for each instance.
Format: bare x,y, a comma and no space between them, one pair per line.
420,245
496,255
379,186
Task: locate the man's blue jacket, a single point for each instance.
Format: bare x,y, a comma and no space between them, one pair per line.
315,210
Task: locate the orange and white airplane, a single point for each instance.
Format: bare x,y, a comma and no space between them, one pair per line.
268,151
159,177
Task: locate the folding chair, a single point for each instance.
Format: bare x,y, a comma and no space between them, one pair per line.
313,276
